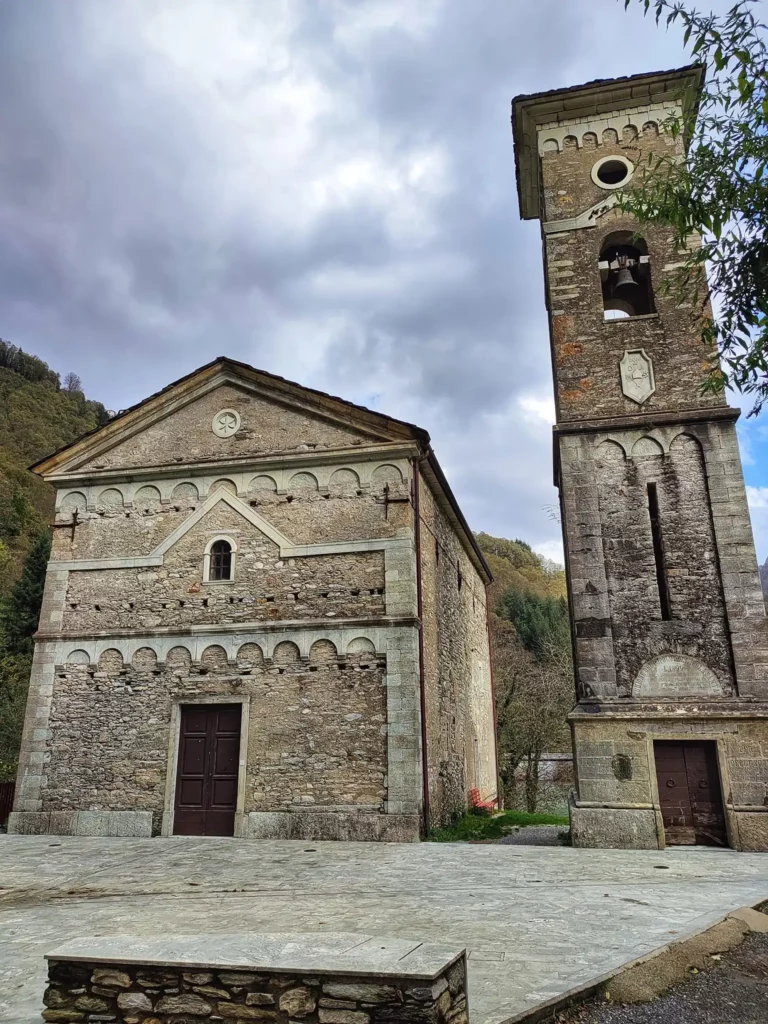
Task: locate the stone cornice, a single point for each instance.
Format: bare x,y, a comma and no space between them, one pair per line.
647,420
680,710
235,628
256,464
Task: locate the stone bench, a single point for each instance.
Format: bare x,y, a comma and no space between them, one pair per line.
324,978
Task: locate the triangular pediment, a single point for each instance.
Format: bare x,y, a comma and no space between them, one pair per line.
234,503
227,412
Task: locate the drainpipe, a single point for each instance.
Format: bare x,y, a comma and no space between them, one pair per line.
499,791
422,680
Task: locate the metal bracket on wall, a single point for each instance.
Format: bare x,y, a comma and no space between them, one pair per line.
386,501
69,526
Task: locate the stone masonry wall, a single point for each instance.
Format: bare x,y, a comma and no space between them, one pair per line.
586,349
613,767
317,727
117,521
461,746
265,587
714,589
80,993
698,627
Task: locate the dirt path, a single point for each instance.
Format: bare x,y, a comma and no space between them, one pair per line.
734,990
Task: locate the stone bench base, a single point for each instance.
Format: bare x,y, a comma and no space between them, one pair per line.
137,824
315,826
327,978
308,826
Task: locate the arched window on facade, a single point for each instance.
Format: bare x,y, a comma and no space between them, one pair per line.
625,273
219,561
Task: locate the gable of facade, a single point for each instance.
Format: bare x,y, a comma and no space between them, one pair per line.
226,412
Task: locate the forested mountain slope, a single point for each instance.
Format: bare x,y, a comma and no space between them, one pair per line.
533,673
37,416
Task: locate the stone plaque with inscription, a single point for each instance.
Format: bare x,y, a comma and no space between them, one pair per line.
676,675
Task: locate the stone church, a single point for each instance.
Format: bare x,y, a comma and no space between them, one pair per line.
264,616
670,730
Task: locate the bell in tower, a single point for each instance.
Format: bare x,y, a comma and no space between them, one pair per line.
670,724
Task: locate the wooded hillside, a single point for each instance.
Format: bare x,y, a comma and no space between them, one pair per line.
37,416
533,673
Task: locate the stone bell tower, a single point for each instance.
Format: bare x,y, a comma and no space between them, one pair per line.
670,728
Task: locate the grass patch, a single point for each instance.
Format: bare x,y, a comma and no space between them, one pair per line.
478,828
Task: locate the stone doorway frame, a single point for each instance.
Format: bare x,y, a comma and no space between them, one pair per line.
722,767
172,762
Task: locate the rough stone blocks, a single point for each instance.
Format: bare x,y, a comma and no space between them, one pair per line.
349,827
753,830
137,824
612,828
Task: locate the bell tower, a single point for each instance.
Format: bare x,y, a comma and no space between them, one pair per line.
670,727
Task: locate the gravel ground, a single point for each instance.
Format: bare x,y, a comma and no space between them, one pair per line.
534,835
735,991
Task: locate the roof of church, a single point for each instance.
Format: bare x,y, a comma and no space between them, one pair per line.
406,431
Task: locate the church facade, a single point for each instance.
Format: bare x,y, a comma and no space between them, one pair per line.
265,617
670,728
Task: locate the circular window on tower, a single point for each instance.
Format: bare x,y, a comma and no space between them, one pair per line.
612,172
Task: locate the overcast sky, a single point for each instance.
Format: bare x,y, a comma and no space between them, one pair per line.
324,189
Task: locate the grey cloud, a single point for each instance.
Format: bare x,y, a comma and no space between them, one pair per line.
137,244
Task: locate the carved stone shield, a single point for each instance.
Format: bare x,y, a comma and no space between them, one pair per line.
637,380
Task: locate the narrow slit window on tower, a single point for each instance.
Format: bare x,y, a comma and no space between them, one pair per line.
658,552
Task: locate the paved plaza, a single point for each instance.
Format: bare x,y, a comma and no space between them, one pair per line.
537,921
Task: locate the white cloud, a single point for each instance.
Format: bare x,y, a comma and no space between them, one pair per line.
552,550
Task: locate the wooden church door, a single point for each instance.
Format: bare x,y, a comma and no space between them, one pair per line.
206,783
690,793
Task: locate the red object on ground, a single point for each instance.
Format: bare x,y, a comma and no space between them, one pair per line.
474,799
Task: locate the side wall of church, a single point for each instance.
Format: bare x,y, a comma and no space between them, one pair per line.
461,744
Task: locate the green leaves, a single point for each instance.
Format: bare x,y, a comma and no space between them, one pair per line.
719,193
20,612
19,615
541,623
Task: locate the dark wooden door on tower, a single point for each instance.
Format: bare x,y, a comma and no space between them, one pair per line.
206,782
690,793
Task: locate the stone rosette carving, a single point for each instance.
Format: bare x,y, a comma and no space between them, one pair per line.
637,380
226,423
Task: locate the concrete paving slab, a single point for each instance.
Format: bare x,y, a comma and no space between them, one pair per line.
344,953
537,921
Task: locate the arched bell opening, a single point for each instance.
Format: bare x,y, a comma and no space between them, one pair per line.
625,274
